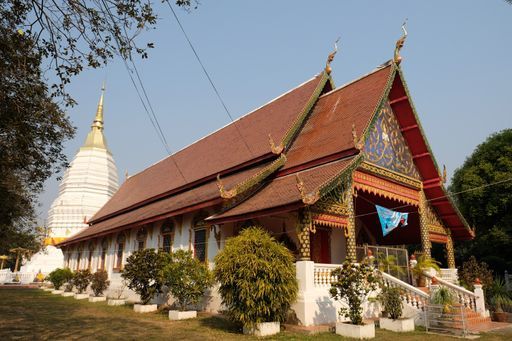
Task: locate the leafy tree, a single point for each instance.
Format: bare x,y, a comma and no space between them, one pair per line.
99,282
81,280
59,276
353,285
187,278
488,207
39,40
144,273
257,277
471,270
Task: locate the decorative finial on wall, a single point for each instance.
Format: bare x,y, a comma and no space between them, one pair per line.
399,44
330,58
445,176
358,144
275,149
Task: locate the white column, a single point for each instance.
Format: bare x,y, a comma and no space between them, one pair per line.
480,299
304,306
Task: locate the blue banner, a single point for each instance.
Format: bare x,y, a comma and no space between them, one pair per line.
389,220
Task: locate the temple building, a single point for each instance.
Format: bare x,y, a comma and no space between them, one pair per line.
88,183
310,167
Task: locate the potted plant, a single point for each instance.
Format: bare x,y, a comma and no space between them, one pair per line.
143,272
391,300
424,263
56,277
81,280
187,279
117,298
99,283
499,299
443,297
257,281
353,286
68,285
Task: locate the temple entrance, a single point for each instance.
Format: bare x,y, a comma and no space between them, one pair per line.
438,252
321,246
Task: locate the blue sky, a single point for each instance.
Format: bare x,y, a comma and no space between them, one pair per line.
457,63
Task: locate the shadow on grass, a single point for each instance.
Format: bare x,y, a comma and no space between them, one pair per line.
221,323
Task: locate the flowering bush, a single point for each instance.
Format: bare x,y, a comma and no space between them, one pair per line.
354,283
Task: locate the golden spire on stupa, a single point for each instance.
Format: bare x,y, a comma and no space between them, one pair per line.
95,138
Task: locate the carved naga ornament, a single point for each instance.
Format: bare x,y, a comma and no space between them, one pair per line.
275,149
307,198
330,58
225,194
399,44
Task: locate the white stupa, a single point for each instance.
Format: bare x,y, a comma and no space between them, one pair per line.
88,183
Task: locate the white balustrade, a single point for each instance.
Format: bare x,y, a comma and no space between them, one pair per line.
462,295
449,275
323,276
410,295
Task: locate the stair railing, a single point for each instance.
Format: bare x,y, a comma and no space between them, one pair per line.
411,295
463,296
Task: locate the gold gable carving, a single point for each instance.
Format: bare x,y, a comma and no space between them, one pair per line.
386,147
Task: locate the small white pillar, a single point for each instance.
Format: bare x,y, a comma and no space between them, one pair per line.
480,298
304,306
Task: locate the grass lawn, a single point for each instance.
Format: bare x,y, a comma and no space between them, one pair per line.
29,314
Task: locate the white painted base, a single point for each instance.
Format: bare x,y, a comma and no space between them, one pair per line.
112,301
400,325
264,329
175,315
81,296
57,292
366,331
68,294
147,308
97,299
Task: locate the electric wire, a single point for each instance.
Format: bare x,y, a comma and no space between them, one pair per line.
207,74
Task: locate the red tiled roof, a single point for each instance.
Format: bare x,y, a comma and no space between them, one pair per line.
329,129
216,152
164,207
283,191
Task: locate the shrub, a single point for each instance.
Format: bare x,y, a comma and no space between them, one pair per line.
187,278
257,278
353,285
498,297
443,296
81,280
143,271
99,282
68,275
391,301
471,270
56,278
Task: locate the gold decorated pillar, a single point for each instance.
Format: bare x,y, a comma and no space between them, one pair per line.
351,225
425,240
450,254
304,228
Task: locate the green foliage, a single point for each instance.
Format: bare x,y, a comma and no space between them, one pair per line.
389,264
81,280
187,278
391,301
99,282
257,277
354,283
443,296
424,263
471,270
489,208
59,276
144,273
498,296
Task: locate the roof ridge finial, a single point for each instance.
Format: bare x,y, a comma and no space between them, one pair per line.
400,43
330,58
